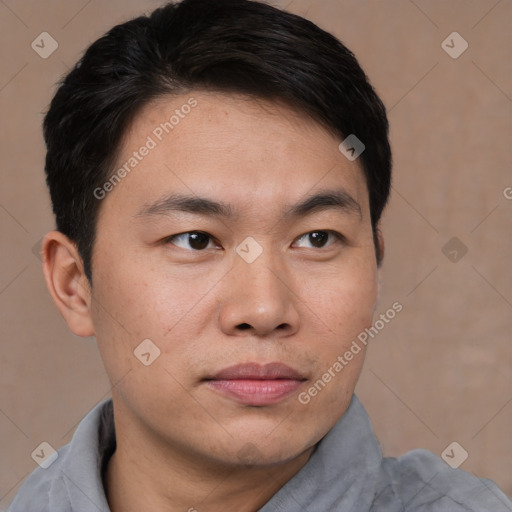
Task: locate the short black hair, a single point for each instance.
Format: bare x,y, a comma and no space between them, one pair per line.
232,46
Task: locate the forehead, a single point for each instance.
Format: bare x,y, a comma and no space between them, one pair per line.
240,149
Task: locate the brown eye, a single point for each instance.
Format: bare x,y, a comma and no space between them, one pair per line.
319,239
196,240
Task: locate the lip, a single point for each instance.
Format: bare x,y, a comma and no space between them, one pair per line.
256,371
256,384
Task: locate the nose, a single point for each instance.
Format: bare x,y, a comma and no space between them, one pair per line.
259,299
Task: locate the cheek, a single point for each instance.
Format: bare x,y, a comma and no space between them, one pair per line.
123,310
134,302
346,309
345,301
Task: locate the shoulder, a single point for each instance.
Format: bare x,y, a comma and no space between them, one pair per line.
42,485
72,481
423,482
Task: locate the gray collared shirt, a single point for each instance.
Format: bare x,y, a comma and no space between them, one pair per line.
346,473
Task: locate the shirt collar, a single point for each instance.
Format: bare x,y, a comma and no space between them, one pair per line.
90,449
342,472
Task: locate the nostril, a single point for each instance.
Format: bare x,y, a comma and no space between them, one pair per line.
244,326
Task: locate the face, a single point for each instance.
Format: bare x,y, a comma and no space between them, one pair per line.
217,301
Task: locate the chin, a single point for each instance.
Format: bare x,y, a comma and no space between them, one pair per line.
264,450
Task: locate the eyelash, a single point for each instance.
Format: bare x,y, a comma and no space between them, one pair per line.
338,236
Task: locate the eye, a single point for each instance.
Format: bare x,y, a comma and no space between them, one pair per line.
195,240
319,238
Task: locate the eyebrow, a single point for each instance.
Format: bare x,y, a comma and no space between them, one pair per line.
339,200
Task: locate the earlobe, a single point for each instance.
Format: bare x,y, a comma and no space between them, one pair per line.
67,282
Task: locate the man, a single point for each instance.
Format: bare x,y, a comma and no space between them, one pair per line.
218,171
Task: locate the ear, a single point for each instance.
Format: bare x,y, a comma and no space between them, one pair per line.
379,249
67,282
379,245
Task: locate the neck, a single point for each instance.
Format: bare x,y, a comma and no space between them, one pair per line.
141,475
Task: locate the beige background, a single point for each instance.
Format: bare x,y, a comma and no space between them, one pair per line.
441,370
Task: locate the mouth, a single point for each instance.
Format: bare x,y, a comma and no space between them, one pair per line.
256,384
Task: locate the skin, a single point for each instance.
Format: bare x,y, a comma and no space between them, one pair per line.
186,445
